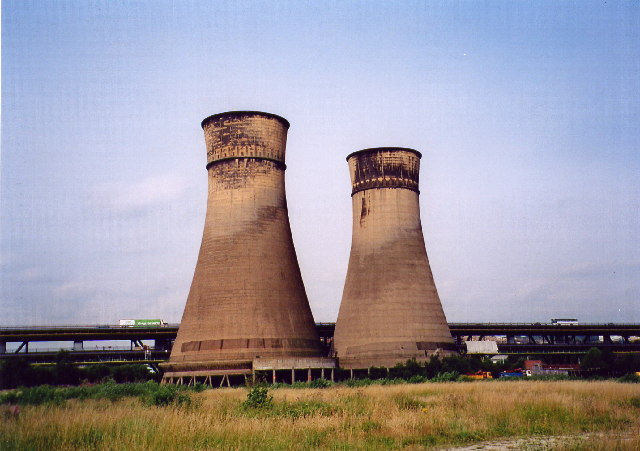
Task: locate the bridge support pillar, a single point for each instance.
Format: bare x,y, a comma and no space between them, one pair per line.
3,347
78,345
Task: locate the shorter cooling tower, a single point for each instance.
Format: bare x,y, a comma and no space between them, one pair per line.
390,310
247,308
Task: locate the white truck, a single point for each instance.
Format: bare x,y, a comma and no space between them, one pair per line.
564,321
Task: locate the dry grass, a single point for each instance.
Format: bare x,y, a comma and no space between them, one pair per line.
599,415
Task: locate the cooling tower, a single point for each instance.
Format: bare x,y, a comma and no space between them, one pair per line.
390,310
247,301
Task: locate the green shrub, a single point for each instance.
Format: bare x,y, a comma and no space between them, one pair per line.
630,377
10,397
80,392
97,373
320,383
114,391
358,382
417,379
378,372
258,398
449,376
151,393
164,396
131,373
169,395
199,387
42,394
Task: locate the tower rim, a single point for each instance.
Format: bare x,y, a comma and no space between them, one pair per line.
378,149
242,112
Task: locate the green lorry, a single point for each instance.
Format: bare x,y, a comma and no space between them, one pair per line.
142,323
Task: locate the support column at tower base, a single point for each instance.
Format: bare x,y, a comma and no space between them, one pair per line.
209,373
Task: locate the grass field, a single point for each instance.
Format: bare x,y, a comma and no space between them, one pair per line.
588,415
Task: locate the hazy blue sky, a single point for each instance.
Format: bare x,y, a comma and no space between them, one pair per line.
527,115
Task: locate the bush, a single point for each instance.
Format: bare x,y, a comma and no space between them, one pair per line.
449,376
97,373
417,379
407,370
42,394
17,372
378,372
166,395
358,382
630,377
199,387
151,393
596,361
258,398
131,373
320,383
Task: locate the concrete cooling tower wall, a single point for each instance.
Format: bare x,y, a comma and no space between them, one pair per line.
247,302
390,310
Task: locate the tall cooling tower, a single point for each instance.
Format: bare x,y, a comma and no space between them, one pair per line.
390,310
247,301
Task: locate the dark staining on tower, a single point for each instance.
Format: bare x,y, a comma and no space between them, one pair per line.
390,309
385,168
247,298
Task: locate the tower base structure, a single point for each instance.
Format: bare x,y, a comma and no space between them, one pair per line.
277,369
389,354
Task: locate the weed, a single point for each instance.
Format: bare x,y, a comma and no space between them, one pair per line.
370,426
405,402
634,402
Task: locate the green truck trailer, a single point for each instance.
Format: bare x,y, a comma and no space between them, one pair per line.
142,323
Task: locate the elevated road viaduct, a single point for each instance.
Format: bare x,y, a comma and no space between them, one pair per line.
511,338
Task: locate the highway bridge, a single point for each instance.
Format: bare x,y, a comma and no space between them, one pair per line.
511,338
